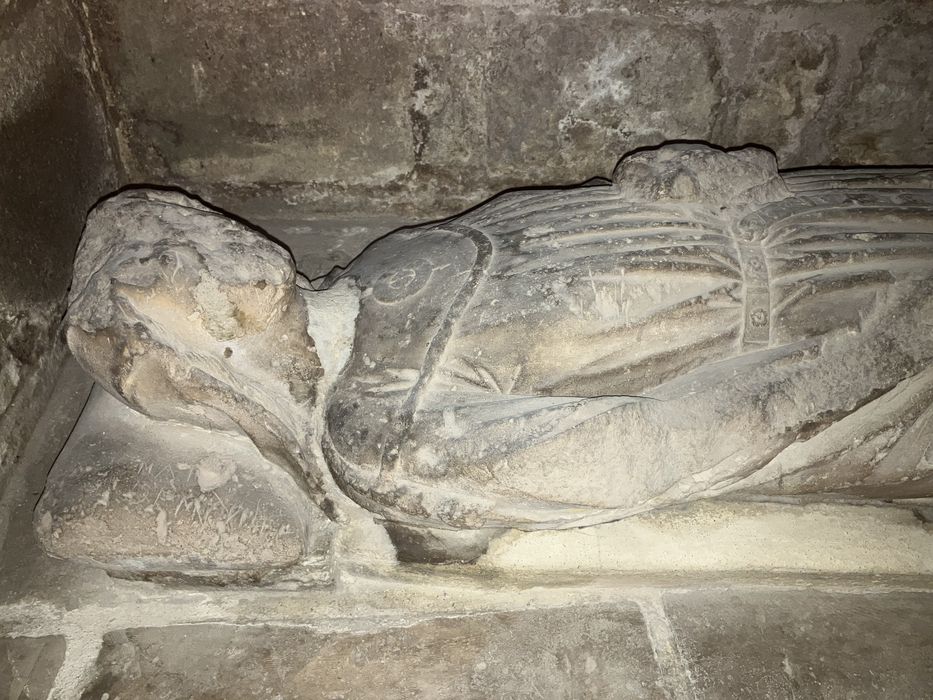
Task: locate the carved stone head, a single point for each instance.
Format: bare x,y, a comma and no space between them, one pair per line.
174,309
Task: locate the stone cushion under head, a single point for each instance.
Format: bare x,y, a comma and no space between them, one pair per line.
148,498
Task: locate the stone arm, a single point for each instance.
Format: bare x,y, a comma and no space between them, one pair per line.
545,462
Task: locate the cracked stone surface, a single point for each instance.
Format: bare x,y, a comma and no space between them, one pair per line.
598,651
771,644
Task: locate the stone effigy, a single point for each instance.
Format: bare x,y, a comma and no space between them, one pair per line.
702,325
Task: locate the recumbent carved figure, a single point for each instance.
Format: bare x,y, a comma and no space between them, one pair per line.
700,326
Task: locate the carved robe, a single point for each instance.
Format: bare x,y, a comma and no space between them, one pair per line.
563,357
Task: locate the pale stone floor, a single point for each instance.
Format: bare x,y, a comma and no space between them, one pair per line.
70,631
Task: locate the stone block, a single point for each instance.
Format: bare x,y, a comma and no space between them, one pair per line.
568,95
804,644
432,106
598,651
885,116
145,498
286,92
779,83
28,666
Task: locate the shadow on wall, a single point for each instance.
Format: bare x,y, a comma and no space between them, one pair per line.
55,160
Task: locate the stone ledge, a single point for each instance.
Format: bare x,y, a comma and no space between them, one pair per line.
732,643
144,498
731,536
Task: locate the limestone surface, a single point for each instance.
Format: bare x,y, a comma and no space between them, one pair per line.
701,325
585,651
139,496
428,107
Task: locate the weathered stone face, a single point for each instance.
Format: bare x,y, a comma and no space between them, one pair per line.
160,276
176,309
688,174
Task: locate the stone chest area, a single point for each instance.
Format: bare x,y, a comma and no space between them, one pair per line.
466,349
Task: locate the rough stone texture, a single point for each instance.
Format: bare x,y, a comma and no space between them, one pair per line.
559,358
732,535
24,567
896,82
430,106
598,651
137,496
28,666
805,645
367,107
553,358
230,294
568,93
54,163
781,92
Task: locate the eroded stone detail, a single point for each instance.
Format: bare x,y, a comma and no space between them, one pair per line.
170,299
554,358
147,498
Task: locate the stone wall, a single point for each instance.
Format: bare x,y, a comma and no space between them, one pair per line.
429,106
55,161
